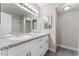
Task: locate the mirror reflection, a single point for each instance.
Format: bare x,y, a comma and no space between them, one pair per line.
16,21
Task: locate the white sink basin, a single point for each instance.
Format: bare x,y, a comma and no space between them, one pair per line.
24,37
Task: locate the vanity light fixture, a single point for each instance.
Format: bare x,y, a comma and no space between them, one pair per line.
29,8
45,18
67,7
35,10
28,19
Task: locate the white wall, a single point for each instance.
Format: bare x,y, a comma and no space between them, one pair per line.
50,12
68,29
52,41
42,25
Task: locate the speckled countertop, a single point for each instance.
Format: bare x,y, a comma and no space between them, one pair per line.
6,43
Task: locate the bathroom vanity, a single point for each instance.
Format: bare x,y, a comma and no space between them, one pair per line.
23,21
34,45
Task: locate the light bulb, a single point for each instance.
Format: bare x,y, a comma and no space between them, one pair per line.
67,7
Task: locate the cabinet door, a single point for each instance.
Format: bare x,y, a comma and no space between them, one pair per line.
4,52
30,52
40,41
18,50
45,48
45,44
33,52
15,51
26,53
0,52
42,45
40,48
46,41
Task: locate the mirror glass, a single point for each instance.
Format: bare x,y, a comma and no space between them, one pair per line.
34,24
16,21
47,22
30,25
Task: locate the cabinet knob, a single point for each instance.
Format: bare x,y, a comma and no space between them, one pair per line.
28,54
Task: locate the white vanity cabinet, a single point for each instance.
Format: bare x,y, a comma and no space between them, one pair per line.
22,49
34,47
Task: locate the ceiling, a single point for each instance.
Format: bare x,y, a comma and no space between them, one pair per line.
74,7
11,8
46,5
46,9
58,6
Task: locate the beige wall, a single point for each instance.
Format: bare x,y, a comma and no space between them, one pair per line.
68,29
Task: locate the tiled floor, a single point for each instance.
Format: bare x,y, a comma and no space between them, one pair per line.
62,52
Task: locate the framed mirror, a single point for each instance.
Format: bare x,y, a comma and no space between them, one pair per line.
47,22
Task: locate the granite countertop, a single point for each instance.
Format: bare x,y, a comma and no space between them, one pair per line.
9,42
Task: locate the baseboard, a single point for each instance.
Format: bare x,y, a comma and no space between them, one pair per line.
53,50
67,47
